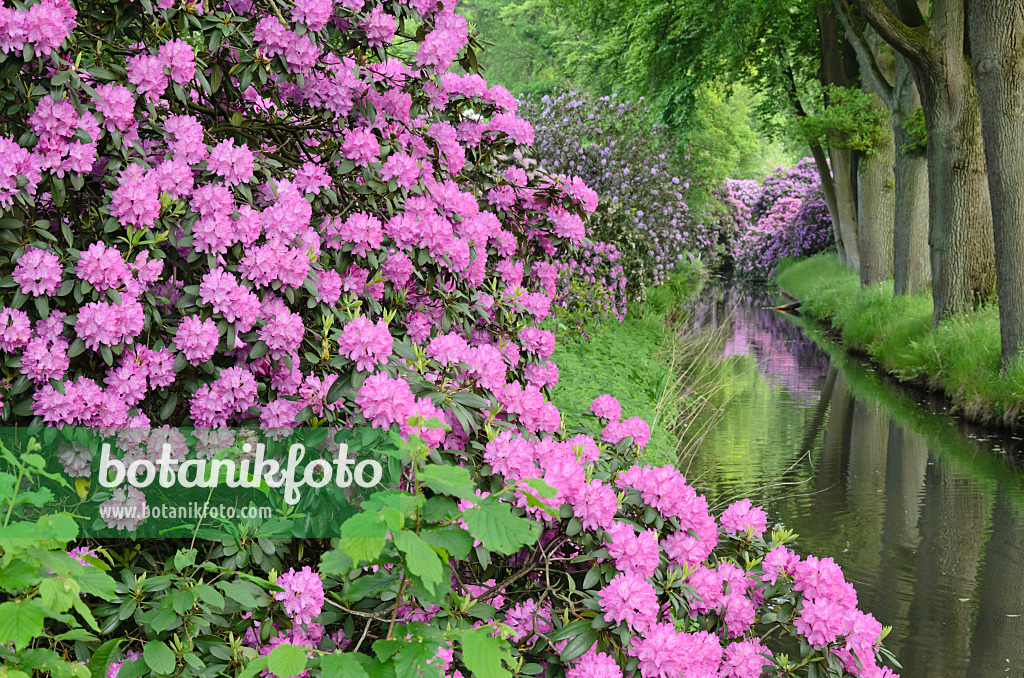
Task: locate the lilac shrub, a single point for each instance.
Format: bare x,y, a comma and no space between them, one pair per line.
785,217
643,211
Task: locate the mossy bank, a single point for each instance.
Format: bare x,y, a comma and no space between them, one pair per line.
959,359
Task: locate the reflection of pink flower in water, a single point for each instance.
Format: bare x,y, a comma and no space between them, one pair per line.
785,356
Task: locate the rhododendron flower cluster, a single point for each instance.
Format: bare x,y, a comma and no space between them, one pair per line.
786,217
311,215
643,210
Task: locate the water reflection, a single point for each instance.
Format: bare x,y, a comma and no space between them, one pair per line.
925,515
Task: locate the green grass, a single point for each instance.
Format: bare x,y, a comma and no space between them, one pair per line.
654,373
960,358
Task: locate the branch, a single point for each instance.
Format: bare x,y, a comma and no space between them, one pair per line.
866,55
913,43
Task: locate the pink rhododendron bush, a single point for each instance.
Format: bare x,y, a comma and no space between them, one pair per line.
274,215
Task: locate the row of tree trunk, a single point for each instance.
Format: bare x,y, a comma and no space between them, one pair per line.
951,216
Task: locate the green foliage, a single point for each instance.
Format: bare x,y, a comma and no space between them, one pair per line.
916,127
44,612
520,44
724,140
622,358
849,120
960,358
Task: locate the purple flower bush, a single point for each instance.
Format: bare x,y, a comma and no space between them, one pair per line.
272,214
785,217
643,211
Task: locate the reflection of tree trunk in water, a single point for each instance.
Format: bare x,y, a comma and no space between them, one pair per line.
907,461
820,411
836,442
954,518
814,427
869,442
998,647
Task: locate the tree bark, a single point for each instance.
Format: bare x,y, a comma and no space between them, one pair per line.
876,207
962,252
829,189
997,49
891,78
841,161
912,271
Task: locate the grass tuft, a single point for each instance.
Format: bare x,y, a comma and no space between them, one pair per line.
959,358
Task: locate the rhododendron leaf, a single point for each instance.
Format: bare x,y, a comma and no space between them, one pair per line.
579,646
287,661
456,541
342,664
493,524
363,536
99,663
420,558
336,562
413,657
21,621
541,487
483,654
159,657
238,593
448,479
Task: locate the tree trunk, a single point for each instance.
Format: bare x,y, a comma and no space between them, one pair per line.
962,253
841,160
997,47
876,207
912,271
833,71
829,189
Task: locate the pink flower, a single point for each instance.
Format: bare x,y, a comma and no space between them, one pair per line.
38,272
234,163
366,343
638,554
746,659
384,400
779,561
403,168
448,348
303,594
595,665
380,27
15,329
136,202
117,104
631,599
823,621
314,13
541,342
360,145
606,407
282,333
146,72
197,339
102,267
125,510
741,517
178,57
364,231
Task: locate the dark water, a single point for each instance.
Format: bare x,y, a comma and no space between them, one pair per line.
924,514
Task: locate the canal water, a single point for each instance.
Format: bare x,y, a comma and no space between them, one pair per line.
924,513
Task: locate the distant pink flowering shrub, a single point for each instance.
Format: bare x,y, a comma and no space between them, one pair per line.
786,217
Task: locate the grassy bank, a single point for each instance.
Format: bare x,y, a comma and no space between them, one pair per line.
960,358
656,372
